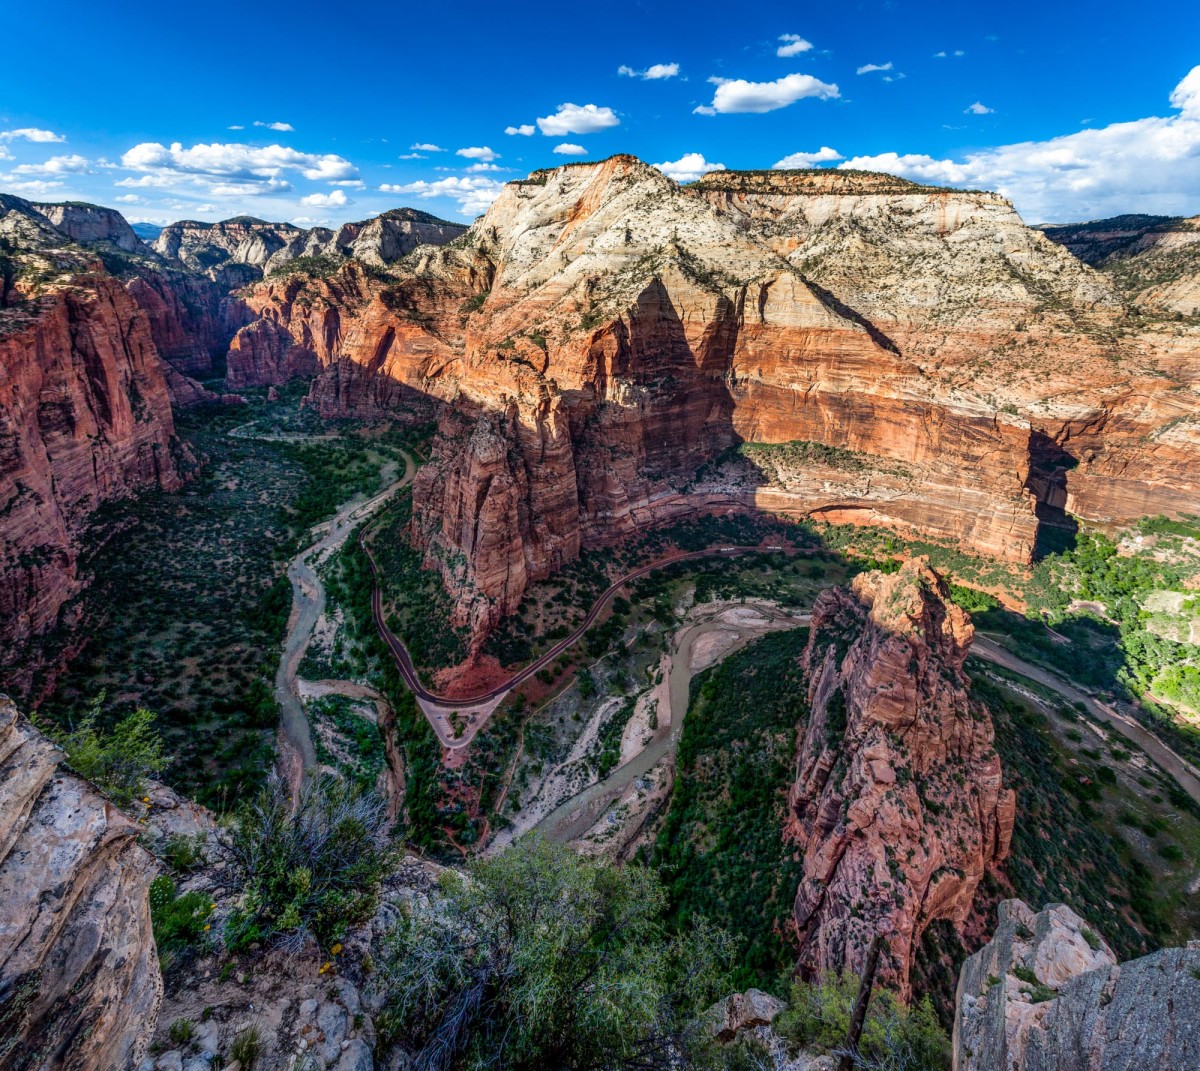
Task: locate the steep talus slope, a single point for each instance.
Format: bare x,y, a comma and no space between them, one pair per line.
1047,994
898,805
85,416
79,977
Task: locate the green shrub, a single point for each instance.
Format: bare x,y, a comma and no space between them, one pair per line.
119,761
182,1032
541,957
310,871
183,853
894,1037
179,922
246,1048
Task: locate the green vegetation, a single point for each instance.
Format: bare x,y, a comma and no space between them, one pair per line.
775,460
722,847
540,958
246,1048
179,922
416,605
312,871
894,1038
188,602
318,266
346,740
119,761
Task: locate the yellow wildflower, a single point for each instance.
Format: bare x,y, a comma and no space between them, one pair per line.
336,948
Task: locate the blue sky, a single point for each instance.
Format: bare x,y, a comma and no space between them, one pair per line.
311,113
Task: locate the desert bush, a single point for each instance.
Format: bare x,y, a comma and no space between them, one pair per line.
118,761
179,922
311,871
540,957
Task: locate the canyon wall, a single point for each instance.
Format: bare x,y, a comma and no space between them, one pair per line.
79,979
898,805
85,417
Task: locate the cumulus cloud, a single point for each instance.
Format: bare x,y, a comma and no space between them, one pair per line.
411,156
478,152
31,133
807,159
283,128
336,199
426,146
689,167
867,68
56,165
480,167
245,169
30,187
793,45
473,195
568,149
236,126
525,130
978,109
577,119
1145,165
738,95
652,73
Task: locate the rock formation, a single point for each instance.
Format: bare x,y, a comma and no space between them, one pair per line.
79,978
85,223
1154,260
602,335
85,416
1047,994
898,805
243,249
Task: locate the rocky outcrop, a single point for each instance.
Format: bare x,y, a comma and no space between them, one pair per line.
191,318
85,417
244,249
898,805
86,223
1047,994
79,978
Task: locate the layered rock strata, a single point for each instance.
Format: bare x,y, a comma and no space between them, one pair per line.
898,805
79,978
1047,994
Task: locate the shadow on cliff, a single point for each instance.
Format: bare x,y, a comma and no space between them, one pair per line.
1049,463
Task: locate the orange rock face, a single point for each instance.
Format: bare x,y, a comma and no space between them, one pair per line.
898,804
603,335
85,416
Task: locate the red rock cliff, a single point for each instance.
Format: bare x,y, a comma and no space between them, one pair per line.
85,417
898,805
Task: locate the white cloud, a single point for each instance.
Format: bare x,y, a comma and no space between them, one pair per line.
479,167
867,68
128,199
577,119
310,221
568,149
236,126
30,187
283,128
31,133
246,169
807,159
689,167
336,199
978,109
426,146
478,152
1146,165
355,183
410,156
793,45
525,130
654,72
738,95
473,195
56,165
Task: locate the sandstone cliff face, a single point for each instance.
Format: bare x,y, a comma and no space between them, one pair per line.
898,805
1082,1011
90,223
85,416
79,978
602,334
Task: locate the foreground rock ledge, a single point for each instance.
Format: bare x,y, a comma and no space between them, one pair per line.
79,976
